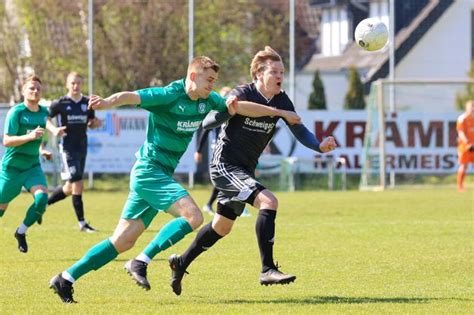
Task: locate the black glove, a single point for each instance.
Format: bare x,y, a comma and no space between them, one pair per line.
470,148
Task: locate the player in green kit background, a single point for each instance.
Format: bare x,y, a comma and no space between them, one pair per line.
24,128
176,111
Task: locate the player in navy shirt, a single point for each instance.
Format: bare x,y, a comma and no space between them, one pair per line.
72,112
240,144
203,137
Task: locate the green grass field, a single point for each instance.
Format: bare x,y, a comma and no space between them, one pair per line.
407,251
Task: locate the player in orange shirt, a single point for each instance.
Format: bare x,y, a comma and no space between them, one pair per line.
465,129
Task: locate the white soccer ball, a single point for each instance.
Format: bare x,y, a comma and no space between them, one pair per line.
371,34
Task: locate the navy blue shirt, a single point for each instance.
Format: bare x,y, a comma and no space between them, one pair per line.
242,139
75,117
203,138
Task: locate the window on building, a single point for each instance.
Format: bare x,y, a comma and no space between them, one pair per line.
335,32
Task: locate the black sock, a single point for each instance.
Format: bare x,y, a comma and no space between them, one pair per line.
205,238
78,207
58,194
213,196
265,229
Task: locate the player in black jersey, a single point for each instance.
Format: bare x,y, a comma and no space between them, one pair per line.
203,136
76,117
202,139
240,144
198,159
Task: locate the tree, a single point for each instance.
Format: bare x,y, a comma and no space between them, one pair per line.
317,98
231,32
462,98
136,43
10,54
56,40
355,96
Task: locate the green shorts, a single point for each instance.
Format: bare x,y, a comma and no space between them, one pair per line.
12,180
151,191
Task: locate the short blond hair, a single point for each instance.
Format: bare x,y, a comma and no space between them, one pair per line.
32,78
202,63
260,59
74,74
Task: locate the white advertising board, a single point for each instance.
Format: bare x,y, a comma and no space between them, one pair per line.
112,147
415,142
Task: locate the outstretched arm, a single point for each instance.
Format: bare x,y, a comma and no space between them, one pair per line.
118,99
306,138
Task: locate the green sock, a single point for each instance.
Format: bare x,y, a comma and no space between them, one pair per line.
2,212
37,209
169,235
95,258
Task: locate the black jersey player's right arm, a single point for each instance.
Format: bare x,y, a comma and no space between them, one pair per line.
306,138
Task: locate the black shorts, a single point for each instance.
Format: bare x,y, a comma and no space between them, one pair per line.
236,186
72,166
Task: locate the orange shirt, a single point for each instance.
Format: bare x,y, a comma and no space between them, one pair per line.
465,123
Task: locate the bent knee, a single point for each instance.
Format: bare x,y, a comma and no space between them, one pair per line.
274,204
67,189
270,203
266,200
222,230
194,218
222,225
77,187
121,244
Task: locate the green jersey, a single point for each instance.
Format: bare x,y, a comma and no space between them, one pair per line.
172,121
21,121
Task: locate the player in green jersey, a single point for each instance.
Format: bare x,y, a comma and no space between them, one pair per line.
176,112
24,127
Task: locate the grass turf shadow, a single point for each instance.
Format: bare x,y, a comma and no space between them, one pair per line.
343,300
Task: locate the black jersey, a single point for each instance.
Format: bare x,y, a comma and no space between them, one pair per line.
205,135
243,139
75,117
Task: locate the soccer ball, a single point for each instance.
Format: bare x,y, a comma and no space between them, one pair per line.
371,34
